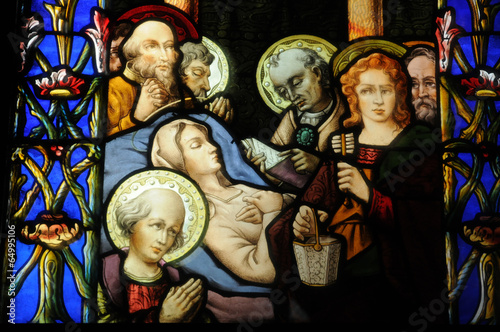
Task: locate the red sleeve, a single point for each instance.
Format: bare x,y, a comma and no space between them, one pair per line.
322,191
381,209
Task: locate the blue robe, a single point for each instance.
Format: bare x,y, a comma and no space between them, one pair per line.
129,152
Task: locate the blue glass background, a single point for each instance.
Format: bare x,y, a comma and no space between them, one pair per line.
470,297
27,298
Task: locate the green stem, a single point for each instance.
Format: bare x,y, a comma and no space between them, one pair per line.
461,167
38,174
76,268
76,188
51,302
31,194
38,112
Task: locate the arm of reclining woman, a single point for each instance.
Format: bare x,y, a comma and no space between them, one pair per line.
243,252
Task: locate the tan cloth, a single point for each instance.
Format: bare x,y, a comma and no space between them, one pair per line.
349,221
285,132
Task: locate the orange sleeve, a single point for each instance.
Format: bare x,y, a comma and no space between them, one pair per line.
121,98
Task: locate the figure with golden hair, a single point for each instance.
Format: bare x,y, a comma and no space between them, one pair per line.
391,220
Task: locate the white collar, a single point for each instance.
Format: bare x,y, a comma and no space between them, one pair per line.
313,118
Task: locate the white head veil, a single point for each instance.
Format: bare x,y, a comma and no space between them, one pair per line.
166,152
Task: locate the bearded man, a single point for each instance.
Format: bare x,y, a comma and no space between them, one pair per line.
421,64
195,71
195,68
149,80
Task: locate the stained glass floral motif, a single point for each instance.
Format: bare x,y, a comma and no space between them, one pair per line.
57,155
469,100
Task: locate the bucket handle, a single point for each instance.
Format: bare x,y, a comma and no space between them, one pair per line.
317,246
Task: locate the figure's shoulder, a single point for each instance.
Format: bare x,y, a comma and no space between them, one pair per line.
288,121
119,82
420,129
111,276
113,261
415,133
118,79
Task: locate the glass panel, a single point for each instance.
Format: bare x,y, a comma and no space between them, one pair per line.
72,159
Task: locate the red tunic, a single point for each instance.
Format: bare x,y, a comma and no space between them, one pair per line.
404,218
350,220
131,299
145,299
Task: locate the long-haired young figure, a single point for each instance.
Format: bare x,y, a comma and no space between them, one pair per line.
393,225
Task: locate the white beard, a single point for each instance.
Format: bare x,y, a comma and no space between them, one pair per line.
425,109
164,75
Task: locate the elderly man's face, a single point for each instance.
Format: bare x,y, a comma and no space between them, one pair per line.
423,75
157,48
196,78
300,85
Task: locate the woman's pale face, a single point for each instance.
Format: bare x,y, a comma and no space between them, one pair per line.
153,236
376,95
200,156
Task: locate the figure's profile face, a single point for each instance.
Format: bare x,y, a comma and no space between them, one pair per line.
200,156
423,75
300,85
115,63
196,78
152,236
376,95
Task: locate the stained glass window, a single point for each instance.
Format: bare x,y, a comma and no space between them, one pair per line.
91,129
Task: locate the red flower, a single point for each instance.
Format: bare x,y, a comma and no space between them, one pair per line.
445,34
60,84
54,231
57,150
32,30
486,85
99,37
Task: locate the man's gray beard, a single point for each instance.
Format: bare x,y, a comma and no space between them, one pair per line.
425,109
166,76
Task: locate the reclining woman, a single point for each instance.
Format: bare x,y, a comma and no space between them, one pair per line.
239,215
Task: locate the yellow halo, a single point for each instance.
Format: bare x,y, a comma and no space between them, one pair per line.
219,68
357,49
195,204
266,89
